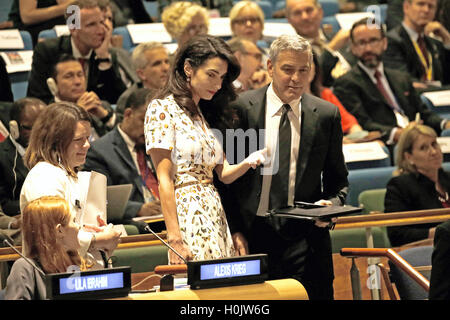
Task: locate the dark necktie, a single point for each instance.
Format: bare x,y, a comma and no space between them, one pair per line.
383,91
280,181
147,175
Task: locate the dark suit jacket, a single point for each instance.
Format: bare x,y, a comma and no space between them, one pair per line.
408,192
110,156
401,55
9,201
320,153
5,83
361,97
440,264
107,84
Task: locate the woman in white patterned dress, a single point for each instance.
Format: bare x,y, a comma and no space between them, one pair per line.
185,151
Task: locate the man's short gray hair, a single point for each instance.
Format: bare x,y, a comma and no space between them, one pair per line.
289,42
138,56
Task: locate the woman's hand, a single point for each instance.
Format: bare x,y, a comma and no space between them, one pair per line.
256,158
179,246
240,244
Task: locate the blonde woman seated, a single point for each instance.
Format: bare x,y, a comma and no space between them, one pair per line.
420,183
52,242
184,20
247,22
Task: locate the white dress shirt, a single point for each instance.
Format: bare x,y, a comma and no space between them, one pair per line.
272,119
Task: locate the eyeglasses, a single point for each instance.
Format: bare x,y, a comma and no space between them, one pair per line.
243,21
371,42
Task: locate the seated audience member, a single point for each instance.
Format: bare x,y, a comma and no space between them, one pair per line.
37,15
247,22
381,99
420,184
223,6
68,84
51,236
306,18
184,20
23,114
89,43
411,49
10,229
125,66
348,121
440,264
151,62
120,156
58,146
249,57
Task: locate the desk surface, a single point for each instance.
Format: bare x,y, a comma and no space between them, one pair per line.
285,289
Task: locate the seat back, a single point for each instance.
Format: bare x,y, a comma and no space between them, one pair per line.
420,258
372,200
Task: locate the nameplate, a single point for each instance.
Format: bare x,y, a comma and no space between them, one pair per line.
363,151
227,272
11,39
96,284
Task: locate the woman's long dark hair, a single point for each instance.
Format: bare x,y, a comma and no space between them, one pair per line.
197,51
316,83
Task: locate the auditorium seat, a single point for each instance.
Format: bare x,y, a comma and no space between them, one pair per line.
443,111
143,259
407,288
127,43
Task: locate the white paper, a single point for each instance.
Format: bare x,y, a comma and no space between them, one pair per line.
219,27
62,30
276,29
438,98
11,39
18,61
346,20
363,151
149,218
94,184
145,32
171,47
444,142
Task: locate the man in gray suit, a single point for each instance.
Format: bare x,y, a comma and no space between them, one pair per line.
311,169
120,156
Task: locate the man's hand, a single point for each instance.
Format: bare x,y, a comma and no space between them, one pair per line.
339,40
102,52
152,208
436,28
92,104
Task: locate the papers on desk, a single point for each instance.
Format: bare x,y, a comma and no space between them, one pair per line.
11,39
149,218
363,151
61,30
145,32
219,27
438,98
17,61
346,20
93,184
276,29
444,143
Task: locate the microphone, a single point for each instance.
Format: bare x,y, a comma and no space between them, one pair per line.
165,243
26,259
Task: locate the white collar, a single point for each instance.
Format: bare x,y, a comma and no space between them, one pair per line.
275,103
76,53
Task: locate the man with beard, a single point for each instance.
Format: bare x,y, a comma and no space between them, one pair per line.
13,172
381,99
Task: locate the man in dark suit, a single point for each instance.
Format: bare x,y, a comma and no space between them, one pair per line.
411,49
120,156
381,99
311,168
88,42
440,263
68,83
13,172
